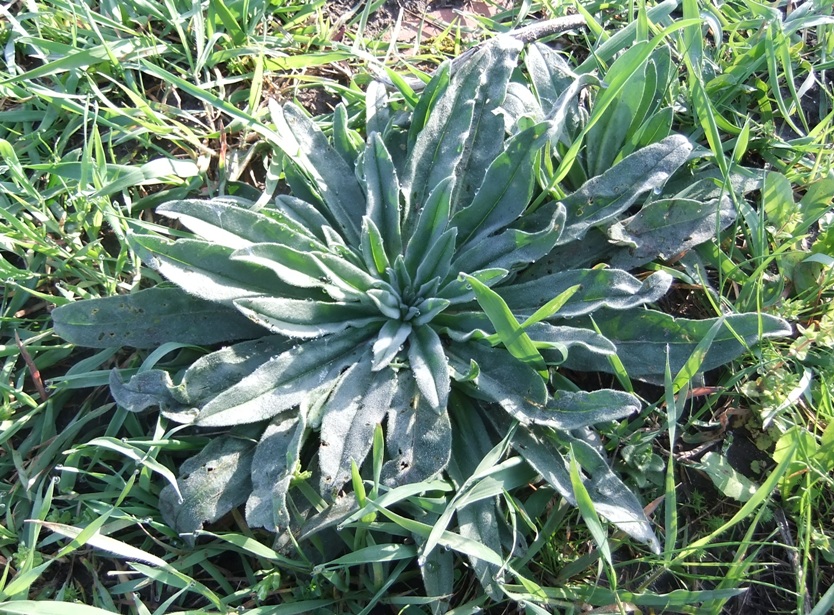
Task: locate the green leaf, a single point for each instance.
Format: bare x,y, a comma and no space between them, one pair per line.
213,482
507,328
49,607
506,189
273,466
726,479
382,189
305,319
303,142
611,288
431,224
512,248
642,337
429,367
437,259
668,227
358,404
388,344
231,224
285,380
605,196
461,117
589,514
373,247
206,270
145,389
569,410
510,383
418,439
149,318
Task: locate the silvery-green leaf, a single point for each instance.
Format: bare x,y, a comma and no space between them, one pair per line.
464,325
303,319
503,379
431,223
506,189
447,143
418,439
206,270
219,222
306,146
391,337
668,227
293,267
477,521
520,102
437,258
594,250
603,197
481,147
213,482
542,332
382,189
215,372
643,338
150,318
273,465
459,291
429,367
428,309
373,247
512,248
611,498
285,380
302,213
345,140
550,74
346,275
358,404
568,410
377,112
387,302
610,288
145,389
438,572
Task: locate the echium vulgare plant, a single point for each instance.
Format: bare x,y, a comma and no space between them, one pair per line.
408,284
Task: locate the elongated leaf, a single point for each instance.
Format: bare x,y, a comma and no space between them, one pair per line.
668,227
303,213
373,247
212,482
273,465
512,248
431,223
388,344
506,189
285,380
429,367
149,318
507,328
304,319
610,496
49,607
602,198
215,372
569,410
228,224
461,117
611,288
437,259
105,543
382,189
358,404
206,270
296,268
307,146
544,333
642,337
504,380
145,389
418,439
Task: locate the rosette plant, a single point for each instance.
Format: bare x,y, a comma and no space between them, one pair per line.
409,287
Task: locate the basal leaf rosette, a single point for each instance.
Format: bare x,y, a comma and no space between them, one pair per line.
409,283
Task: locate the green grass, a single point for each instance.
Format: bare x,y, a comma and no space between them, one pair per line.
107,112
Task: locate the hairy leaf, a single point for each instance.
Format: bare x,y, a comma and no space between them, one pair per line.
358,404
150,318
428,364
213,482
304,319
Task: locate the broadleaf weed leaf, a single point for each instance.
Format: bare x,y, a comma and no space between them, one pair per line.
435,292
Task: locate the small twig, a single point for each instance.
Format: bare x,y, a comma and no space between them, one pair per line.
33,369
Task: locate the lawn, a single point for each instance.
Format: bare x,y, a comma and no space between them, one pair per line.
540,325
